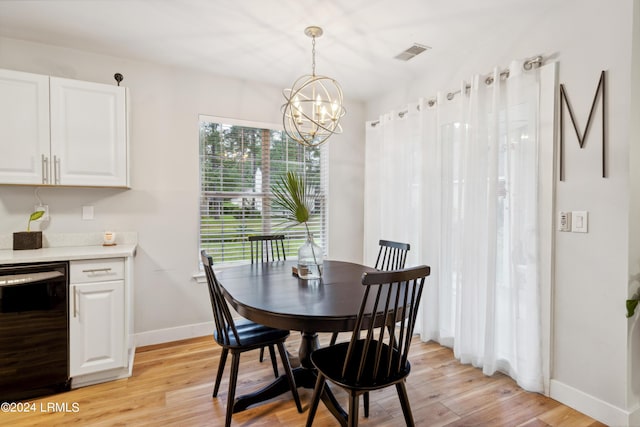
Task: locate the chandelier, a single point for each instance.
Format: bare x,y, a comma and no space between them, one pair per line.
314,108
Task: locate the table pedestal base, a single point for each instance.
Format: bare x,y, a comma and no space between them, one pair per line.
304,375
304,378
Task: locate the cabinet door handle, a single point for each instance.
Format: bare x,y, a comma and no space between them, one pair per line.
75,303
56,170
97,270
45,169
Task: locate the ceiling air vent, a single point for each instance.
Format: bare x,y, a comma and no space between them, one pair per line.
415,49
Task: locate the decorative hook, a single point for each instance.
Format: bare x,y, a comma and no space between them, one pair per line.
119,77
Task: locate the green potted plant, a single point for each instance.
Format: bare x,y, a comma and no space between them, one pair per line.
295,201
29,239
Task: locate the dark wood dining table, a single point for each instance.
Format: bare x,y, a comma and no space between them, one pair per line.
270,294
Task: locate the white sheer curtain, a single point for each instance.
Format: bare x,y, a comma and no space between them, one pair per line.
459,180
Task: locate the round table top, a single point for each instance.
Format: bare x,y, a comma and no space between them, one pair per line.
269,293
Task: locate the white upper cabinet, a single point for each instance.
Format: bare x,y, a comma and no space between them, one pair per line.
88,133
57,131
24,127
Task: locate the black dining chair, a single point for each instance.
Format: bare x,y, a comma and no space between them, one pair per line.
380,359
238,337
391,256
267,248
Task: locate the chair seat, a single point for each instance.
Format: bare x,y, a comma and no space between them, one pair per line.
329,362
252,335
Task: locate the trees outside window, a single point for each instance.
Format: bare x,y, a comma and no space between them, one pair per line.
238,165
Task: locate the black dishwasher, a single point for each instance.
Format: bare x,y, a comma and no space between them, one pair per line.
34,337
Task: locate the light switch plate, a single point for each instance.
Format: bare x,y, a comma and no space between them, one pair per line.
579,221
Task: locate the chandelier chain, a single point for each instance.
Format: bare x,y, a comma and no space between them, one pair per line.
313,56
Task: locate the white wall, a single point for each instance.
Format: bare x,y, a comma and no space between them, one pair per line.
595,350
633,363
589,355
162,205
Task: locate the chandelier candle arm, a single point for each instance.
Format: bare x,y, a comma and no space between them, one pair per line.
314,104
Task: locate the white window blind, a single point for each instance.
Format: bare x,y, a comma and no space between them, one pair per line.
239,162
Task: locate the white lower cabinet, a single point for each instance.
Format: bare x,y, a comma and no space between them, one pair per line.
97,320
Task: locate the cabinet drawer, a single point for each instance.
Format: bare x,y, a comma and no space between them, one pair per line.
96,270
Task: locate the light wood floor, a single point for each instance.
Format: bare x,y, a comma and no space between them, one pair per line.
172,385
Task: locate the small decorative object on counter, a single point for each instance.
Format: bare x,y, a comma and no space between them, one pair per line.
28,239
109,238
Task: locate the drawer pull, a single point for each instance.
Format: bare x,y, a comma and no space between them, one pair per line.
97,270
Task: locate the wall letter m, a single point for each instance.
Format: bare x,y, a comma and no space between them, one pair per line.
564,99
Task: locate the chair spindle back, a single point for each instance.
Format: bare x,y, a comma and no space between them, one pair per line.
266,248
390,297
391,255
225,326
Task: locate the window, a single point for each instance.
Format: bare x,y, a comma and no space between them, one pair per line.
239,162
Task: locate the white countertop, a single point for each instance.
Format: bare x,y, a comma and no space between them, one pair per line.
66,253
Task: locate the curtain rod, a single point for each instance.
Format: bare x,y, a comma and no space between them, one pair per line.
527,65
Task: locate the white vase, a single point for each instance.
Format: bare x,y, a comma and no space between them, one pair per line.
310,260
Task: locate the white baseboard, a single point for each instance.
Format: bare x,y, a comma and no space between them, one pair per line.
592,406
634,417
160,336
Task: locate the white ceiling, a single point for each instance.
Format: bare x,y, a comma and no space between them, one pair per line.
264,40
